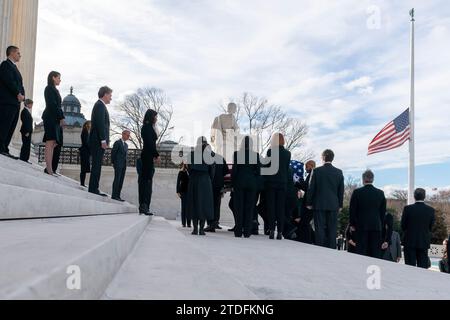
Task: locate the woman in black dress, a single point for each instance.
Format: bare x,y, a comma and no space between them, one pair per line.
200,193
148,157
53,117
85,153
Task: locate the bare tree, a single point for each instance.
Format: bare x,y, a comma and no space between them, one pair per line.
351,184
400,195
256,116
132,111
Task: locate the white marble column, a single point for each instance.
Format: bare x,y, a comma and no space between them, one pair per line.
19,28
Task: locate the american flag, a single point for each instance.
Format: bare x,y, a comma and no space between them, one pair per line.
299,170
394,135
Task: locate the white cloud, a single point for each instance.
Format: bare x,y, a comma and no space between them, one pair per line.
316,59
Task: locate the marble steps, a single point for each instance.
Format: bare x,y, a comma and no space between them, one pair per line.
169,263
23,203
34,170
37,255
49,184
165,266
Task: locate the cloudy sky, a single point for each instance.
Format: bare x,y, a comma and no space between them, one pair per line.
341,66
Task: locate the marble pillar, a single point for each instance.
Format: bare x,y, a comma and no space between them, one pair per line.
18,22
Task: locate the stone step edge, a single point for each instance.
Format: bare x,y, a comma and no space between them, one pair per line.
79,191
98,266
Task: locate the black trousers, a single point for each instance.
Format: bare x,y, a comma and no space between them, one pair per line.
26,148
417,257
304,228
325,223
276,208
146,189
56,157
9,116
185,220
368,244
217,194
96,171
119,177
244,204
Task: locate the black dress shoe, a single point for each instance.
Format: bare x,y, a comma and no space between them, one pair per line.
218,227
118,199
272,235
280,236
202,233
102,195
195,232
232,230
210,229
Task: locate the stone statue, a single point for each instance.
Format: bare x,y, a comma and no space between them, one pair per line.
224,131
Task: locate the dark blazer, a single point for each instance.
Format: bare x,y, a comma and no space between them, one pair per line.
27,121
280,179
368,209
84,141
246,175
221,170
119,154
326,191
417,223
304,186
53,111
11,84
100,125
149,137
182,182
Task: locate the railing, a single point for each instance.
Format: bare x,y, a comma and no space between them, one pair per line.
71,156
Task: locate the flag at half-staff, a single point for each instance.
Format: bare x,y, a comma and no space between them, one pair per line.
393,135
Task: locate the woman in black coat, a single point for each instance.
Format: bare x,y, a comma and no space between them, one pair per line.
53,117
148,157
276,185
245,179
85,153
200,201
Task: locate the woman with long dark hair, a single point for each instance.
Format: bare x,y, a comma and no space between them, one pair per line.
85,153
148,157
53,117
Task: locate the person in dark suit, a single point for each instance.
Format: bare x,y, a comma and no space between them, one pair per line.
245,176
326,198
292,211
26,116
12,94
276,183
53,117
221,170
306,215
417,223
85,153
350,235
182,189
393,251
149,156
367,215
99,137
200,194
119,155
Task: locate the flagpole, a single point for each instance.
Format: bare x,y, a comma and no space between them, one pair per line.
412,162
